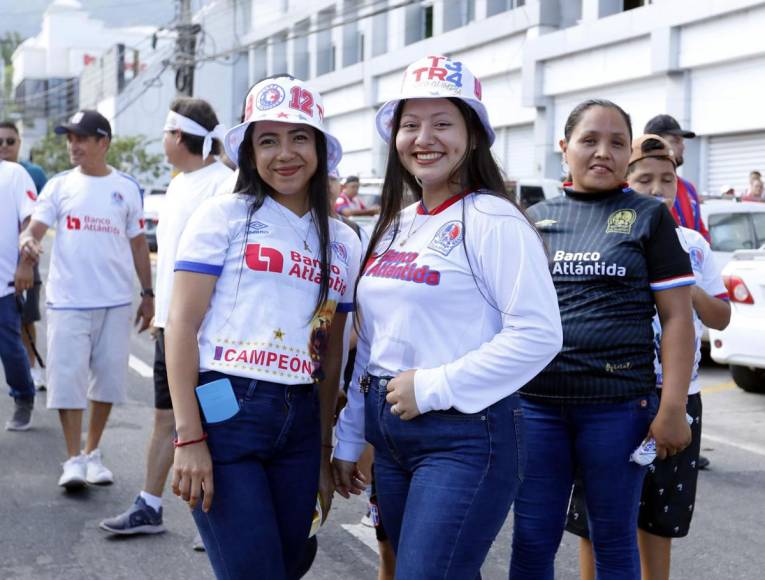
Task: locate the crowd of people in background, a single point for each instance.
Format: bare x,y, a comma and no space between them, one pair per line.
485,357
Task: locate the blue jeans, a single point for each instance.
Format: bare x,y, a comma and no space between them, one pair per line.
597,440
12,352
445,483
266,476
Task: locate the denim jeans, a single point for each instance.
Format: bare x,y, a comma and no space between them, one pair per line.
597,440
445,483
12,352
266,476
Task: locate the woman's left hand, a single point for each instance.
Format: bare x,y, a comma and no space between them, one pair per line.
326,484
401,396
671,431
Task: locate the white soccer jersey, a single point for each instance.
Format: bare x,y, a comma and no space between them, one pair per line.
17,197
95,218
260,321
477,325
709,278
184,194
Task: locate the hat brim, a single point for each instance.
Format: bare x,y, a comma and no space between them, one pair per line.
64,129
234,137
384,117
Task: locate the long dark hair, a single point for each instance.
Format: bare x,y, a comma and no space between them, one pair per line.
250,183
476,172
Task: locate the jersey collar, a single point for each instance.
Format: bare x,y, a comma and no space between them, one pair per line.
422,210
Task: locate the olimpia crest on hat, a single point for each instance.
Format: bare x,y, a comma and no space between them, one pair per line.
283,99
436,77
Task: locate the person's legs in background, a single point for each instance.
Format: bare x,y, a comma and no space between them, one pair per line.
15,364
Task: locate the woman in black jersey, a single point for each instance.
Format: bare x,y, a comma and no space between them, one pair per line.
615,259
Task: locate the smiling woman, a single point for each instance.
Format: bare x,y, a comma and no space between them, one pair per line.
262,287
456,313
595,403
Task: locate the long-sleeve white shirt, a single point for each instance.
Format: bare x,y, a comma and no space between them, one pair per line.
477,325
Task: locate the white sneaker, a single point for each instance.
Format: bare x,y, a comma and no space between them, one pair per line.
97,473
38,378
73,476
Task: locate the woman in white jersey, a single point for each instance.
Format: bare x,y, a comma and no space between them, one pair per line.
457,311
264,279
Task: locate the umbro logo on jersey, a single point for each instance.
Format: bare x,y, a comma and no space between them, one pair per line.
257,227
620,222
117,198
447,238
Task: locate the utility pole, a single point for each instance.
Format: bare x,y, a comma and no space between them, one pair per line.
185,49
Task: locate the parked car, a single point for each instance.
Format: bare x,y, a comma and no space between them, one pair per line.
530,190
153,200
733,226
742,344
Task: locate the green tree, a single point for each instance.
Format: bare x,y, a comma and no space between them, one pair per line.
127,154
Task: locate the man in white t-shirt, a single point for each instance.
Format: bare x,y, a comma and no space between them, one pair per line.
97,212
17,196
192,139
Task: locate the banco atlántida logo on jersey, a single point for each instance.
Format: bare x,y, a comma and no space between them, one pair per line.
620,222
584,264
262,258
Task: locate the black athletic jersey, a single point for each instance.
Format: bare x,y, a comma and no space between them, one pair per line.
608,253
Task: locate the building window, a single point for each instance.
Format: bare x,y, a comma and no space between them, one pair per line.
325,49
279,54
419,22
301,60
260,66
380,34
352,37
498,6
631,4
458,13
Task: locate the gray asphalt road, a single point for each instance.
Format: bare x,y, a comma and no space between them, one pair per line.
48,534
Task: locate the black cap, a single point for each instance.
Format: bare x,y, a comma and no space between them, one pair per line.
86,122
666,125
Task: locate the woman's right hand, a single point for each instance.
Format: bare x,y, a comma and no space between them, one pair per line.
348,478
192,475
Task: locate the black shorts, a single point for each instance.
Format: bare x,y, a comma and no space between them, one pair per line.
374,510
162,398
669,490
30,313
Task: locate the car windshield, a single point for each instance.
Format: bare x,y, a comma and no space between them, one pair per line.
735,231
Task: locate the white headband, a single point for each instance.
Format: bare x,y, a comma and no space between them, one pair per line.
176,122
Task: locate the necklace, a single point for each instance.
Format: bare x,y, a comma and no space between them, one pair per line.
410,233
306,247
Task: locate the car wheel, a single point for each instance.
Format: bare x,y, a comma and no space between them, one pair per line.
751,380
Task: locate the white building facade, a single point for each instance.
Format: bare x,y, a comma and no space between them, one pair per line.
46,67
702,61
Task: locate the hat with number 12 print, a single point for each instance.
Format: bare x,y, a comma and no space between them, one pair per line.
283,99
436,77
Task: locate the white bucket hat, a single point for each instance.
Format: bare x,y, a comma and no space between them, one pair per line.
284,100
436,77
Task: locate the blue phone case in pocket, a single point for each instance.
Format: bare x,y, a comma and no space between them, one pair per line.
217,400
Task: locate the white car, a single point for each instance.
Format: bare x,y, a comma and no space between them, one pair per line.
153,200
742,344
733,226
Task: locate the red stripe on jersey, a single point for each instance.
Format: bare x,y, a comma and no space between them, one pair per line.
422,210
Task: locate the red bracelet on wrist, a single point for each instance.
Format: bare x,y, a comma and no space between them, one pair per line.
178,443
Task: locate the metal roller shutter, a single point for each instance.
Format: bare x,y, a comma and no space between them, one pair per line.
517,155
730,158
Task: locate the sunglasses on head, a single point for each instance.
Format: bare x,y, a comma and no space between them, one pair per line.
10,141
